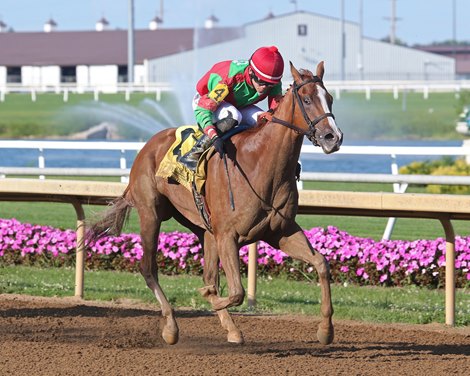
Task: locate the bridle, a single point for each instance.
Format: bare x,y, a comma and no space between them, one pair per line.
311,123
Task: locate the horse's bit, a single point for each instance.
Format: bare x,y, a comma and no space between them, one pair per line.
311,123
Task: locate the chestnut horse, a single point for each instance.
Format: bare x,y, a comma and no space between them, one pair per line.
261,165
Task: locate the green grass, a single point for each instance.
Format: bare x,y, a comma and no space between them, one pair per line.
412,117
274,295
49,115
382,117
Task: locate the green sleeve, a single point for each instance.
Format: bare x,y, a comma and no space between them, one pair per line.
203,117
206,105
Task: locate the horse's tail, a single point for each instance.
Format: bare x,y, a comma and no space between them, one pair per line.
111,221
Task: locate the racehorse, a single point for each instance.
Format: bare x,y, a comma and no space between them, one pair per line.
261,170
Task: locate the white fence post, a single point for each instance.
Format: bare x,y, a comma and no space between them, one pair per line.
397,188
41,162
123,166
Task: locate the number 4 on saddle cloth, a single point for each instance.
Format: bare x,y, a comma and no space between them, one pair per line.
186,137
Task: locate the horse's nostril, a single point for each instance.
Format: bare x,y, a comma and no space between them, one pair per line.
329,137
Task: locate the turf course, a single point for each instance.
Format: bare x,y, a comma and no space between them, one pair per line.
382,117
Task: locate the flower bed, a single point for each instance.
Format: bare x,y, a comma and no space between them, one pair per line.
352,259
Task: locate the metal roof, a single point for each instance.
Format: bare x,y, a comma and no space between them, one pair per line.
70,48
461,54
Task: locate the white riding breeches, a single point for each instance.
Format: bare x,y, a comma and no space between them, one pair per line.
247,115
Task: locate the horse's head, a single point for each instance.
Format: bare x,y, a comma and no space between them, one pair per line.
313,105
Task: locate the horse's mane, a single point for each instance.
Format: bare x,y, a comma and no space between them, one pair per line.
304,75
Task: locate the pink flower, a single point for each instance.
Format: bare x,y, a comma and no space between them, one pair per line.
422,259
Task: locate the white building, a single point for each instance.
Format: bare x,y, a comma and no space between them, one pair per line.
306,39
89,59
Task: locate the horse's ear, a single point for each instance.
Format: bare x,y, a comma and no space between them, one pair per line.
320,69
295,73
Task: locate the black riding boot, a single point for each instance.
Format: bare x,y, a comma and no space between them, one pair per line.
191,158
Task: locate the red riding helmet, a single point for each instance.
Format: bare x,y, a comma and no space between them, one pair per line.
267,64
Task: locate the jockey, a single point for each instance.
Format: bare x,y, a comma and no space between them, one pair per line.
226,95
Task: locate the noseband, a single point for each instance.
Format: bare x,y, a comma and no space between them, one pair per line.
311,123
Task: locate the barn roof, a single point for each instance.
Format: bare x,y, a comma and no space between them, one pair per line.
461,54
103,47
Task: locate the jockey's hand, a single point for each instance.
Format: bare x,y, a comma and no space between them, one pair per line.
264,117
218,144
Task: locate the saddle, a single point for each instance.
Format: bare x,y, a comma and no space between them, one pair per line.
186,137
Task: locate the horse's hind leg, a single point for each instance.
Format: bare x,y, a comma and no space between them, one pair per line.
297,246
149,230
211,289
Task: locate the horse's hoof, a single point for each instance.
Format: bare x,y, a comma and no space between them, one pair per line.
170,336
325,336
235,336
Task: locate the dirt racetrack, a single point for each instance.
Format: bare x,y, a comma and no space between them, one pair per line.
49,336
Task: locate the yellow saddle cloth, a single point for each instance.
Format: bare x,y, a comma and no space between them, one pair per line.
186,138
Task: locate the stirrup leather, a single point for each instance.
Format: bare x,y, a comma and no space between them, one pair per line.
201,206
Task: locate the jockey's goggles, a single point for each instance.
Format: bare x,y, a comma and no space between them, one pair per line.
260,82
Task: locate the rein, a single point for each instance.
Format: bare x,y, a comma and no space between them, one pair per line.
311,123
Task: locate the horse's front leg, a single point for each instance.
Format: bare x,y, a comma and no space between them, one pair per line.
211,289
297,246
227,251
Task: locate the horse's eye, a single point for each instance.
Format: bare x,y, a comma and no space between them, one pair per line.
307,100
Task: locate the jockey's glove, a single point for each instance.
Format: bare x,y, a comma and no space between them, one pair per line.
218,144
264,117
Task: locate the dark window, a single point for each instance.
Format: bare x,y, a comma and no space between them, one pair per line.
122,73
13,75
302,29
68,75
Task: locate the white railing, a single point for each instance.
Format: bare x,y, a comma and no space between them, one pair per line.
41,146
400,182
396,87
122,147
66,89
394,150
